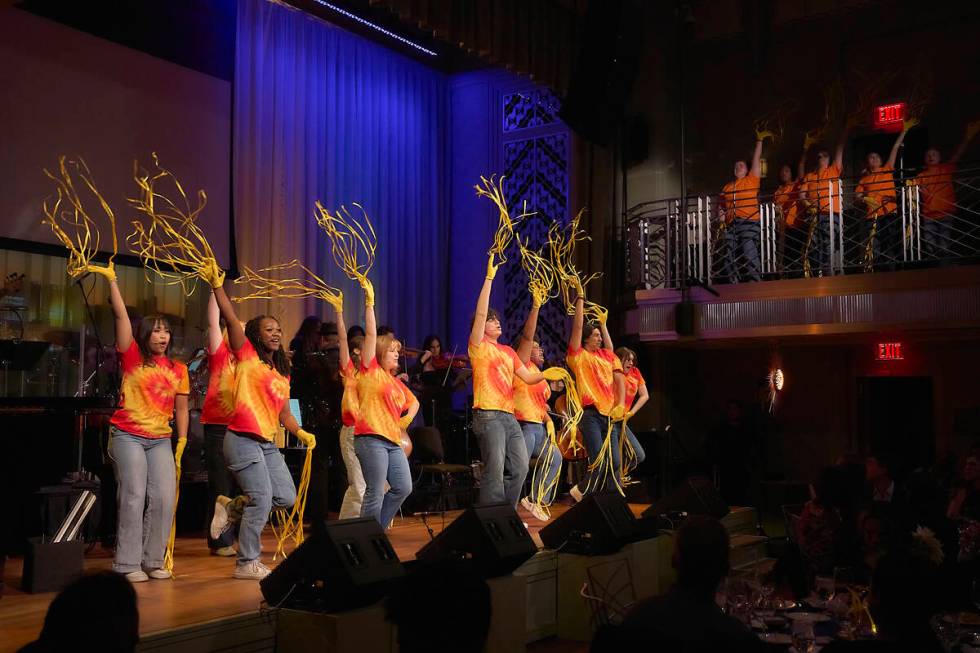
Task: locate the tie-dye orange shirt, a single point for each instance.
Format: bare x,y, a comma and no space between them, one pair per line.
219,401
594,376
381,401
260,394
348,403
531,401
633,381
147,393
493,375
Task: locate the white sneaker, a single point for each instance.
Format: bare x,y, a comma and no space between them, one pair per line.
251,570
160,574
137,577
536,511
219,523
224,551
576,493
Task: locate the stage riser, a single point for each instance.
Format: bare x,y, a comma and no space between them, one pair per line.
252,633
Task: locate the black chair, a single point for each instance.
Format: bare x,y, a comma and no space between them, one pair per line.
428,456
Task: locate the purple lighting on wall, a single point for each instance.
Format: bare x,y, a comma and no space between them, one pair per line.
377,28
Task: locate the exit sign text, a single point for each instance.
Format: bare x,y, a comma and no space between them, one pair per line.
887,115
890,351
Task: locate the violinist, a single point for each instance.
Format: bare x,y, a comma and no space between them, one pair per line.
437,375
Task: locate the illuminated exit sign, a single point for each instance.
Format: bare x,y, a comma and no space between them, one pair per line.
890,351
888,115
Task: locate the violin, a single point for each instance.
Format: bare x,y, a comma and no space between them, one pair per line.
445,361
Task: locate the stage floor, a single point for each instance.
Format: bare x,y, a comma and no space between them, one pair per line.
203,589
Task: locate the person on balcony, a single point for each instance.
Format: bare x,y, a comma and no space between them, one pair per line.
819,194
937,199
876,190
787,201
739,207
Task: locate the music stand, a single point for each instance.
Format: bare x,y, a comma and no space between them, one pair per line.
21,356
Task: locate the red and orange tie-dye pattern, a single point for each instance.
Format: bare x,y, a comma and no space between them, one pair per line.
260,394
382,400
594,376
219,401
493,375
147,393
531,401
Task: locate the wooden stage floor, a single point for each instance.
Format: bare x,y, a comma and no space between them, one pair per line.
203,589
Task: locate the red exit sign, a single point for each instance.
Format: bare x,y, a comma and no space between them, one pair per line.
889,114
890,351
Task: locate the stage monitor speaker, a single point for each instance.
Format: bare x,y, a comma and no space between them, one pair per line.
493,535
695,496
347,564
600,524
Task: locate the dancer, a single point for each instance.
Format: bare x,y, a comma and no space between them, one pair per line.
350,363
216,414
500,437
154,389
739,205
876,190
635,398
261,404
820,196
531,411
385,409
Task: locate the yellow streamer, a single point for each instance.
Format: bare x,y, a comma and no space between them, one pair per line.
562,245
173,246
773,124
542,282
288,526
295,287
168,555
74,226
493,190
353,241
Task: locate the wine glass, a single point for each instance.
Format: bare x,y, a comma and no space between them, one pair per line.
803,639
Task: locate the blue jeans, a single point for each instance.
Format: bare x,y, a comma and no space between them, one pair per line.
641,455
536,437
382,460
742,242
220,480
594,426
936,238
147,480
261,473
504,455
819,253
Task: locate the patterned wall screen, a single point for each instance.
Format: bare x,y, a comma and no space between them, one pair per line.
536,163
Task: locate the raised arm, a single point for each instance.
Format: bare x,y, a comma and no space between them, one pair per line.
527,334
575,337
214,324
124,328
236,334
839,151
338,308
370,347
971,130
483,304
756,170
893,155
607,341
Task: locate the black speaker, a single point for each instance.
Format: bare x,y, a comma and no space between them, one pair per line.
695,496
347,564
600,524
493,535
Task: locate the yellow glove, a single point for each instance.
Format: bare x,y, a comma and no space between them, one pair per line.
179,453
810,139
763,134
909,124
492,267
368,292
550,427
214,275
629,415
602,314
337,301
617,412
108,271
306,438
554,374
405,422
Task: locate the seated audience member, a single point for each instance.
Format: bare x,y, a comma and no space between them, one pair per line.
880,475
819,530
964,502
94,613
453,594
686,618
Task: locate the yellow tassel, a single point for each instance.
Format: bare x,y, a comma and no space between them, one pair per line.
265,287
602,468
291,524
627,454
543,490
353,241
168,556
493,190
570,281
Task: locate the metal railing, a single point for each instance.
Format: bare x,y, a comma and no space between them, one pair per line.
922,219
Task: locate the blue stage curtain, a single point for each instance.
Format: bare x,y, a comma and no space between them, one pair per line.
320,113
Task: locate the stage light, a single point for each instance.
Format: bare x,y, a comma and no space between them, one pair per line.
375,27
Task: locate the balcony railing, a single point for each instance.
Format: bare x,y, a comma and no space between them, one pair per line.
921,218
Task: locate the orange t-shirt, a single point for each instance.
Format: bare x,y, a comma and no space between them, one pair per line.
348,403
594,376
260,394
382,400
937,198
787,198
219,401
531,401
633,382
740,198
494,365
880,187
147,393
817,188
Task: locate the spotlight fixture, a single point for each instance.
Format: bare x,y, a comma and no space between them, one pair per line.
775,380
376,27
